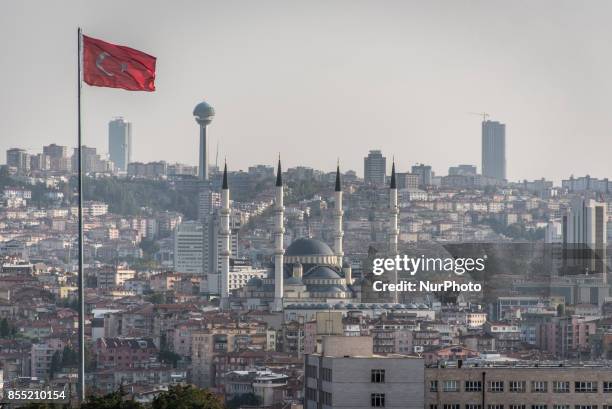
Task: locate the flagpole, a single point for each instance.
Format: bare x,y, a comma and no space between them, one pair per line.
81,378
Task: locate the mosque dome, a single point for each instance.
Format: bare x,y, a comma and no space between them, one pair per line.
322,272
308,247
293,281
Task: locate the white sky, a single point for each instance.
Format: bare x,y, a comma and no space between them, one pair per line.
317,80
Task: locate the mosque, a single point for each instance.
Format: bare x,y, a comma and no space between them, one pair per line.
308,270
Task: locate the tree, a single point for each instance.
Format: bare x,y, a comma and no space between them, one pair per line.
169,357
56,364
113,400
560,310
70,358
247,399
90,359
5,330
186,397
157,298
149,247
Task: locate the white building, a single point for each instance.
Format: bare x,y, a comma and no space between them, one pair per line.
188,247
346,374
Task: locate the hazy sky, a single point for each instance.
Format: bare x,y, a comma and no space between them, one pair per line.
317,80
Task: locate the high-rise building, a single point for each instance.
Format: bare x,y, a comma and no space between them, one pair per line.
91,161
189,247
211,249
407,180
494,149
19,159
120,143
425,174
346,374
462,170
374,168
585,236
40,162
58,157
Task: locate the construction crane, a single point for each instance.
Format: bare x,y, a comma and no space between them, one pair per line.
483,114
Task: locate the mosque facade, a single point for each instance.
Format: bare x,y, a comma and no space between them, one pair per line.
308,271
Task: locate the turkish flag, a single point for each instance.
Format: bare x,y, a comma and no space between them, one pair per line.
117,66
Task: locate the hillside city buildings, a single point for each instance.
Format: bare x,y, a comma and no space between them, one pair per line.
258,282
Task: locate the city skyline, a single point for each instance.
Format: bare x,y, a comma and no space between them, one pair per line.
366,85
347,204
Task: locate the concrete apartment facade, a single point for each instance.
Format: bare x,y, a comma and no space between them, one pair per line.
347,375
518,387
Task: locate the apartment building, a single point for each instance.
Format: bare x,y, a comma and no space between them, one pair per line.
518,386
346,374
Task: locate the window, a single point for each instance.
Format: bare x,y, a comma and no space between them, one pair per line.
326,374
433,406
496,386
450,386
585,407
433,386
539,386
311,394
561,407
326,398
517,386
517,407
473,406
585,387
539,407
311,371
495,406
378,376
561,386
378,400
607,387
473,386
451,406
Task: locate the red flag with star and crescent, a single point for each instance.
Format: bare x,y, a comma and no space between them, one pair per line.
117,66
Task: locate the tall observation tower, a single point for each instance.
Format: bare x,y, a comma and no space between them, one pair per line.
203,114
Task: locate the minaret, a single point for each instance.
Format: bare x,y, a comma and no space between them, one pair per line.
338,212
279,231
393,229
224,235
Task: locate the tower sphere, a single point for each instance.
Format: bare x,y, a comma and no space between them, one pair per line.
203,113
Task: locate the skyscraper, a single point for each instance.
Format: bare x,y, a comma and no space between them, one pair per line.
585,236
374,168
120,143
494,149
